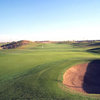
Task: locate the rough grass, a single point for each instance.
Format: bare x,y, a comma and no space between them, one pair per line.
36,73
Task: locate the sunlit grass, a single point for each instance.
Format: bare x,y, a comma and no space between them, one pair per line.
36,73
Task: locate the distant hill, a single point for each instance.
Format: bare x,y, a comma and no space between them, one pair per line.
95,44
13,45
90,43
28,44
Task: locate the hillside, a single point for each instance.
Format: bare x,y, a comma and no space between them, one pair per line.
90,43
94,50
13,45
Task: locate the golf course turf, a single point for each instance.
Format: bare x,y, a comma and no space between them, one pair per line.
36,73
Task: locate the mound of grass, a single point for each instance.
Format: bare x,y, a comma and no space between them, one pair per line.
94,50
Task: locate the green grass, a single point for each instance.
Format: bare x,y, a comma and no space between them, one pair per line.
36,73
94,50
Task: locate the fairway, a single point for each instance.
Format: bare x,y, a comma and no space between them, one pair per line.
37,73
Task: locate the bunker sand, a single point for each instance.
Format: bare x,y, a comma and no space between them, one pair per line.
84,77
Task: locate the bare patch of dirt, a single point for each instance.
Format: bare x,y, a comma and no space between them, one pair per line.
73,78
84,78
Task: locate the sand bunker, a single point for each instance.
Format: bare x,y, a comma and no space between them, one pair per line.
84,77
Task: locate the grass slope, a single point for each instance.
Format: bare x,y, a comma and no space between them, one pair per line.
94,50
36,73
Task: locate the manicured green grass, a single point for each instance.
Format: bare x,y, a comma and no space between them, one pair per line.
36,73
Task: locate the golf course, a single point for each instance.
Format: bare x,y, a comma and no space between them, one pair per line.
49,49
35,71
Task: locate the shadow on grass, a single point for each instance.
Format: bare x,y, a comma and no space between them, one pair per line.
94,50
91,82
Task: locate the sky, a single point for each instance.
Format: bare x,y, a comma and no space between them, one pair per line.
58,20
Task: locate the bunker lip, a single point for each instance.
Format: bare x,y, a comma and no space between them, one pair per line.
84,77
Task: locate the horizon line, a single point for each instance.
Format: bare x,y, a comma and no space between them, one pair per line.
52,40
